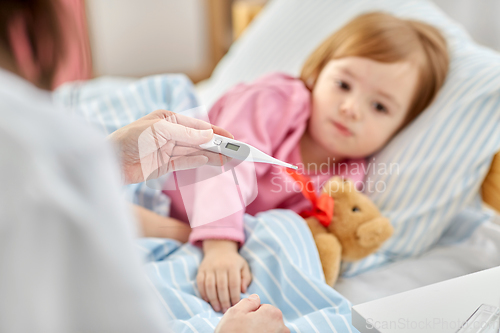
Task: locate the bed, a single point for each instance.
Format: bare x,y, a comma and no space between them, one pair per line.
458,233
457,252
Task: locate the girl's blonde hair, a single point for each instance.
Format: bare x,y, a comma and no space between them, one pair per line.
386,38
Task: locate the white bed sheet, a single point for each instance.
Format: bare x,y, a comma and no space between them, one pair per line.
480,251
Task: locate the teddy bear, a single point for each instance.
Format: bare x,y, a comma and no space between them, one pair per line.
356,229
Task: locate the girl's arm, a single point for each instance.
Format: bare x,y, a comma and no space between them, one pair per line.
262,114
154,225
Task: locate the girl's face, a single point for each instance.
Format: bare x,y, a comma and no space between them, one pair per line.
358,104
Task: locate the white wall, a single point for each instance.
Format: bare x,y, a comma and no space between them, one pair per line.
481,18
141,37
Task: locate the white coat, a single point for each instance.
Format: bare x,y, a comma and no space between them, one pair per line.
67,260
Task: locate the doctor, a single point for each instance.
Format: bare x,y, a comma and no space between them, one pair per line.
67,262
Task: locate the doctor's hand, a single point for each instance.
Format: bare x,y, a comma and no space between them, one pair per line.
165,141
248,315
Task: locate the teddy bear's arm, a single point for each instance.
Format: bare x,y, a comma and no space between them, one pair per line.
374,232
315,227
330,253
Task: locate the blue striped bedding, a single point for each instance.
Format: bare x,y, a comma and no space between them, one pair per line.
280,249
283,258
286,272
443,157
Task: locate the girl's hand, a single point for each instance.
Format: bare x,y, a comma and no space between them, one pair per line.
223,274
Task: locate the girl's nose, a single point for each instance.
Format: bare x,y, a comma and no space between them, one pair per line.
350,110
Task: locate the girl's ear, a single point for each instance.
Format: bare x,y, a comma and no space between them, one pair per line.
310,83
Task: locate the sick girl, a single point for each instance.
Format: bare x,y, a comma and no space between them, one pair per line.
359,88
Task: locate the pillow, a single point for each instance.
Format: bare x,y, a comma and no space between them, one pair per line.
441,158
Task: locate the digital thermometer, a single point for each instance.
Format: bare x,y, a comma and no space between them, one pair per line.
241,151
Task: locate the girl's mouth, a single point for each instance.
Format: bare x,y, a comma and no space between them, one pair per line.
342,129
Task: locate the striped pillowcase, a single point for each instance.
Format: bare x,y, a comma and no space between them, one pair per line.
441,158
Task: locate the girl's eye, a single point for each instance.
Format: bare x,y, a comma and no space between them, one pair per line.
342,85
379,107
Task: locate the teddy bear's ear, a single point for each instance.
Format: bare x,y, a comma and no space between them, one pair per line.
337,186
373,233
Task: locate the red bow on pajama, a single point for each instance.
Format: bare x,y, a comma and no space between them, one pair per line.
322,207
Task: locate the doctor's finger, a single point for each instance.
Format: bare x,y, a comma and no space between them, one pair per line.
194,123
176,118
166,131
187,121
221,131
213,158
184,163
199,124
184,120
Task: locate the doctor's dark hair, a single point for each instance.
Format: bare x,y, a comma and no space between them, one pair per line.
385,38
31,33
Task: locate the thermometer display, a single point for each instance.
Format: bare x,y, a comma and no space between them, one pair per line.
232,146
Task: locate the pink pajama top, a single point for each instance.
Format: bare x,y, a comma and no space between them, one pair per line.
270,114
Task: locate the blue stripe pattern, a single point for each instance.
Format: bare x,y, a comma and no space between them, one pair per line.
280,249
286,273
442,157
